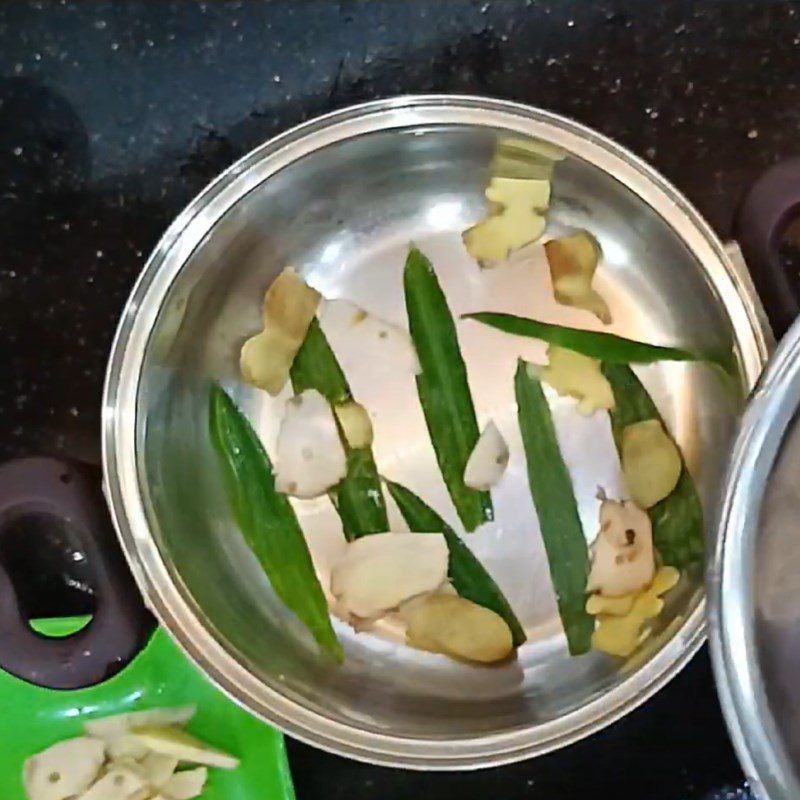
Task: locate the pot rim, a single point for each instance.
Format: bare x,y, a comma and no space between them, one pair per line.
121,468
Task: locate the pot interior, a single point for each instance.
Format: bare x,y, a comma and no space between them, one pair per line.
343,215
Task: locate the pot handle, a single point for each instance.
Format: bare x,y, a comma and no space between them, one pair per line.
121,624
760,223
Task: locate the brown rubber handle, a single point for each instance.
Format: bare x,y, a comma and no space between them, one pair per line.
762,219
121,624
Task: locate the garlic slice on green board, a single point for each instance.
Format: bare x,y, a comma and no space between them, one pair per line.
181,745
488,460
158,768
119,783
123,747
64,770
380,572
186,785
119,724
355,333
623,561
311,458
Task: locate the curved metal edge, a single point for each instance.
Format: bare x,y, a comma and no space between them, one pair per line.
739,678
119,423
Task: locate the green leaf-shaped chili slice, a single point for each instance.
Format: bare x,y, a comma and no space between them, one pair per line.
358,497
443,388
267,520
556,508
469,577
678,529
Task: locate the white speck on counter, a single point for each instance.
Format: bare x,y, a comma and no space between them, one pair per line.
752,133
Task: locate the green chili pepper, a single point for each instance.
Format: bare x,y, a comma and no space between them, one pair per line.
678,531
468,576
596,344
556,507
358,497
442,387
267,520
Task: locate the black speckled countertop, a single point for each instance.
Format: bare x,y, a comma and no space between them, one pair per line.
114,114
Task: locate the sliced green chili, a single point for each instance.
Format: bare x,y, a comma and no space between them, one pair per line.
596,344
267,520
442,387
556,508
469,577
358,497
678,530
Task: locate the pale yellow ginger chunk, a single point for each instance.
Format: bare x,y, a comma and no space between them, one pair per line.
651,462
612,606
289,306
355,423
515,157
516,219
379,573
459,628
621,635
573,262
575,375
623,561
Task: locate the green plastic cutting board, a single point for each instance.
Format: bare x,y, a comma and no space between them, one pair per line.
32,719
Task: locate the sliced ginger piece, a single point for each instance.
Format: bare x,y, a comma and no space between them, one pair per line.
378,573
573,262
355,423
289,306
597,605
515,157
575,375
623,561
651,462
459,628
621,635
516,219
185,747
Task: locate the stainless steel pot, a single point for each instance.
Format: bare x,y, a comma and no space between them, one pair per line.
755,576
340,197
